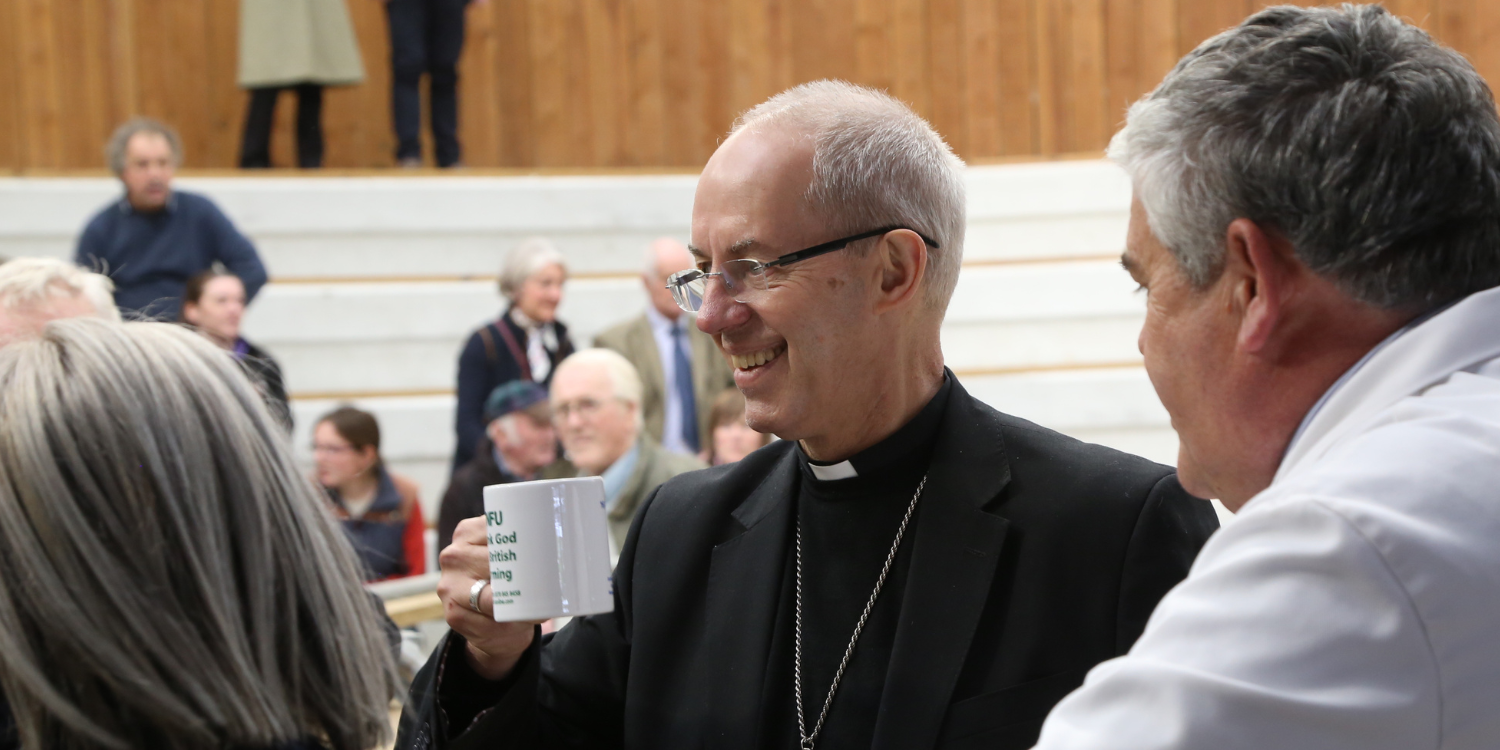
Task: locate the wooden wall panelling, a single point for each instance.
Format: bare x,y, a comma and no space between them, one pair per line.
357,127
1070,36
602,83
12,131
605,77
1020,112
644,107
823,40
678,57
913,81
1473,26
39,90
874,40
556,112
716,111
516,78
85,117
1198,20
480,123
982,66
225,102
1141,44
948,78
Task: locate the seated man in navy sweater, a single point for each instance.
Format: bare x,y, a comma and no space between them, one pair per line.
154,239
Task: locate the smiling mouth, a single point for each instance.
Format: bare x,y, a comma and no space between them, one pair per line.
756,359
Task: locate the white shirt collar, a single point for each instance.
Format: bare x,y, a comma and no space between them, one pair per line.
831,472
662,323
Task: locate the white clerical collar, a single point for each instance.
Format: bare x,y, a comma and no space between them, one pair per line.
840,470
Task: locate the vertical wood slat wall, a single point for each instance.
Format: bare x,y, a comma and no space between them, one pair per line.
632,83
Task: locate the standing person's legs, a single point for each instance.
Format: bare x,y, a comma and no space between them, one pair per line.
445,42
408,24
309,125
255,146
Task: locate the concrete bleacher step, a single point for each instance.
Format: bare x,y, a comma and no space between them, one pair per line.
376,282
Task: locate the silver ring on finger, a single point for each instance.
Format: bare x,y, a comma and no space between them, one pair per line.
474,595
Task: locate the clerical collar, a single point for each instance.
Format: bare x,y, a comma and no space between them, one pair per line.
912,442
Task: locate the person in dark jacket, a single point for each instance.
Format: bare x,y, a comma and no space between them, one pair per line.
213,303
380,510
154,239
908,569
525,343
519,443
170,581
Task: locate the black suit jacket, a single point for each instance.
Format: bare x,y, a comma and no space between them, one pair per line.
1036,557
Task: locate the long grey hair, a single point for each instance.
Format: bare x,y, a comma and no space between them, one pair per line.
170,579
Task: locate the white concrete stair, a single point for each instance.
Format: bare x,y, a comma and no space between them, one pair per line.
377,281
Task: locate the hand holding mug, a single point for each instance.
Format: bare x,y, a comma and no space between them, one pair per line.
494,648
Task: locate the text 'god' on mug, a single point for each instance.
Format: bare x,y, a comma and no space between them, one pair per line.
549,549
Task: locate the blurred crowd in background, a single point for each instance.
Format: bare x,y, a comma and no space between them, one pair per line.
653,398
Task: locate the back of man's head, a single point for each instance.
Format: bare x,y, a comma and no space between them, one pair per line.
36,290
876,163
1369,147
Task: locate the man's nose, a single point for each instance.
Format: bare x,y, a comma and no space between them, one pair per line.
720,312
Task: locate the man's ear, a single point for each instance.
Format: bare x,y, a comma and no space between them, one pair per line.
1257,268
903,266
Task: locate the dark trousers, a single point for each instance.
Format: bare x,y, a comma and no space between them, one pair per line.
426,37
255,148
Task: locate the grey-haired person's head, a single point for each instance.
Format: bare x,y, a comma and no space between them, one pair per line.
36,290
172,579
876,162
114,149
1373,150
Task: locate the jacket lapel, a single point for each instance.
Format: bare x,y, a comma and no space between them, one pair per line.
953,563
744,582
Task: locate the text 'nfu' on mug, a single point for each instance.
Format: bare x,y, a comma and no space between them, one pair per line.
549,549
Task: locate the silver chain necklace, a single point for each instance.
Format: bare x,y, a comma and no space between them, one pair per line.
809,739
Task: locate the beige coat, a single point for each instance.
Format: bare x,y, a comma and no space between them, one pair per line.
284,42
711,371
656,465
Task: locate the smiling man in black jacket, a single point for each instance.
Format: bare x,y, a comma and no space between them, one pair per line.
909,569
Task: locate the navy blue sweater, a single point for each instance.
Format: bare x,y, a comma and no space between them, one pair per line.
151,256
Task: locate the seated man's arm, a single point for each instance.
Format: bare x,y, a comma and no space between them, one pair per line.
500,685
1291,632
237,254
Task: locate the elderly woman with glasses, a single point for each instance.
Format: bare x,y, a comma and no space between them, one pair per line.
525,343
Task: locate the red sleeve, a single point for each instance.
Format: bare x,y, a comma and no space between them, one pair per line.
414,541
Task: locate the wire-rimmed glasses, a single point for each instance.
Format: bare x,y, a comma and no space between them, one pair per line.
744,275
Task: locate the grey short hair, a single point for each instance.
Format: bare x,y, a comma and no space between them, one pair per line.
1372,149
114,150
625,381
172,580
527,258
876,163
29,283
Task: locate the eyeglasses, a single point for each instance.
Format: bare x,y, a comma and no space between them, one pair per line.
744,275
585,408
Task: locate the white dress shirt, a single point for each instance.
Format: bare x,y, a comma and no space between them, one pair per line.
541,343
661,330
1353,604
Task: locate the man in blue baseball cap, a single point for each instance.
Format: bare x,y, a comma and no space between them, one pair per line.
519,442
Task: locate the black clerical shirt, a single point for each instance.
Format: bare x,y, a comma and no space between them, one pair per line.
848,526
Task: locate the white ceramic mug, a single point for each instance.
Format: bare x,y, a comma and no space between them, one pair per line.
549,549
